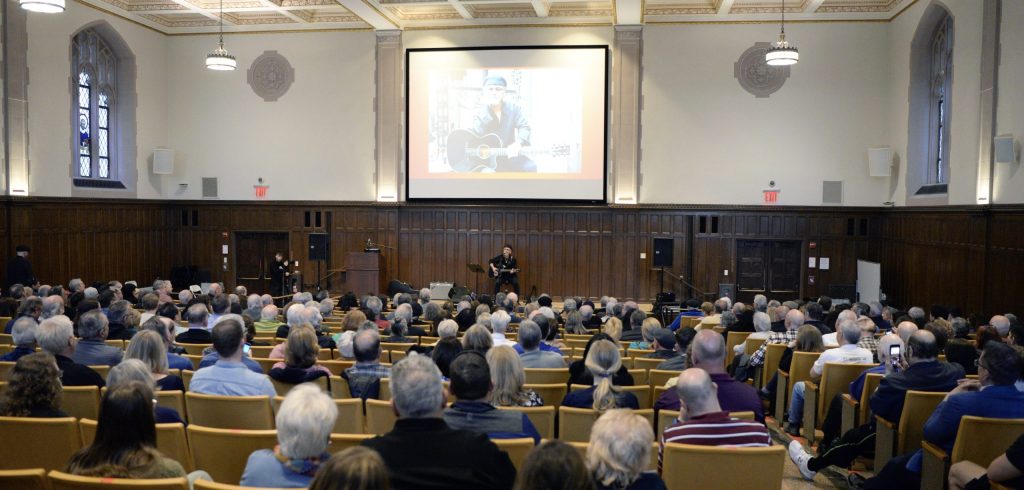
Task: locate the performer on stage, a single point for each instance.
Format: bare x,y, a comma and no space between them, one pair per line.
504,270
278,271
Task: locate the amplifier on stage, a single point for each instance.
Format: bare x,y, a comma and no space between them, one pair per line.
439,290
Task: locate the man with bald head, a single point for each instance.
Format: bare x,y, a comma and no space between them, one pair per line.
708,353
1001,324
905,330
794,320
917,369
364,378
702,421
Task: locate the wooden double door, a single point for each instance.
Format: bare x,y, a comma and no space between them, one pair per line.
768,267
254,254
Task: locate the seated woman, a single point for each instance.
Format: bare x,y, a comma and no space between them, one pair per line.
125,443
304,424
613,328
349,326
148,347
619,452
33,388
508,378
444,353
603,362
398,331
554,465
574,323
477,338
133,370
580,375
645,332
300,357
356,468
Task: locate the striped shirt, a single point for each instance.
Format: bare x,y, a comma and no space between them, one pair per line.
715,429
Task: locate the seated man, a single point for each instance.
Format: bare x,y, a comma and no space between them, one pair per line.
24,335
533,356
704,423
709,355
364,378
848,352
682,339
268,320
92,350
56,336
471,385
992,395
664,344
445,458
794,320
198,319
229,376
922,372
210,355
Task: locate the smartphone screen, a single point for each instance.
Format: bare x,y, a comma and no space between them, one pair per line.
894,356
245,348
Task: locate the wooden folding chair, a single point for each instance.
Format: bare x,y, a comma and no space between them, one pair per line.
341,442
283,388
261,351
652,463
380,417
543,418
337,367
385,389
517,449
65,481
658,377
855,412
799,370
186,378
195,360
546,375
170,440
5,369
82,402
173,400
574,423
835,379
772,357
978,439
892,439
640,376
267,364
230,412
34,479
37,442
350,415
194,349
686,466
646,363
634,353
552,394
223,453
732,339
339,388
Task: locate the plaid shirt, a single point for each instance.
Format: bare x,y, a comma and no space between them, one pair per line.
870,343
775,338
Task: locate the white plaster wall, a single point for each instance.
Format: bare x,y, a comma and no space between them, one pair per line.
965,118
49,94
314,143
1009,180
706,140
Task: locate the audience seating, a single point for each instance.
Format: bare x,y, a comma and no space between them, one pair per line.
64,481
34,479
283,388
380,417
170,440
574,423
646,363
799,370
891,439
642,392
772,357
686,466
341,442
6,367
41,443
173,399
102,370
979,440
5,348
517,449
196,360
337,367
658,377
260,350
194,349
267,364
6,338
396,355
350,415
385,389
552,394
543,418
120,344
640,376
209,485
856,412
81,402
547,375
230,412
835,379
339,388
399,346
186,378
639,352
224,452
652,464
732,339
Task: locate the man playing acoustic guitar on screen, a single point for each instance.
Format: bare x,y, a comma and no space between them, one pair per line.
504,270
499,139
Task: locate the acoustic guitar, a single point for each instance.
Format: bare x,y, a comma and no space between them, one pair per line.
468,152
491,273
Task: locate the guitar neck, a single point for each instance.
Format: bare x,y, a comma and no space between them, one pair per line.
526,150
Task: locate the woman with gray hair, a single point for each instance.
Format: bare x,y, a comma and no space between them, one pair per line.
304,424
619,452
478,338
135,370
447,329
148,347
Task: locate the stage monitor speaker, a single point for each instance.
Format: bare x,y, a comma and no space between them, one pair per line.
663,252
727,291
317,246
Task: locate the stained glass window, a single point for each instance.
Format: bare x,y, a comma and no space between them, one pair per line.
95,69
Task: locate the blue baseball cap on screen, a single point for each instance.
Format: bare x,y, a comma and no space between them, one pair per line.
495,81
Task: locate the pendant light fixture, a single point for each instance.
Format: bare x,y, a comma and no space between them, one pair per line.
219,59
44,6
782,53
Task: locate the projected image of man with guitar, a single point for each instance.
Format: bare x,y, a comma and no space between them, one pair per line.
504,270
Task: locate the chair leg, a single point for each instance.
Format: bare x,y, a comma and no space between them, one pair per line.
781,397
934,471
885,445
810,419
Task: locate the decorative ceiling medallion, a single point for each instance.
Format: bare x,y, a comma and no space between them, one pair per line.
270,76
757,77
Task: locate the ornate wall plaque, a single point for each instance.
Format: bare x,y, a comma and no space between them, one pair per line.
756,76
270,75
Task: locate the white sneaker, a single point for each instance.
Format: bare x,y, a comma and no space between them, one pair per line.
800,458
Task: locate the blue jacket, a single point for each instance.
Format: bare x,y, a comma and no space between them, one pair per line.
922,376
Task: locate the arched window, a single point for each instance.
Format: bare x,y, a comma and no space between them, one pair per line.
930,107
941,86
96,71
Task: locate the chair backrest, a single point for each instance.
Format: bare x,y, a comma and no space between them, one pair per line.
170,440
543,418
546,375
800,369
686,466
646,363
552,394
341,442
835,379
350,414
917,408
115,343
230,412
196,360
397,355
750,345
641,392
283,388
639,352
186,378
41,443
339,388
172,399
262,351
102,370
194,349
639,375
64,481
5,348
81,401
871,382
981,440
574,423
399,346
224,452
380,418
267,364
732,339
658,377
34,479
772,357
337,367
385,389
517,449
652,464
209,485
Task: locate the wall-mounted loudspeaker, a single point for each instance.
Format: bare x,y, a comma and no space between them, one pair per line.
163,161
879,162
318,246
1005,148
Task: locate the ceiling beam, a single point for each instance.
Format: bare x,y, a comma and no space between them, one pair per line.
541,7
277,8
629,12
202,11
370,14
725,6
461,9
812,6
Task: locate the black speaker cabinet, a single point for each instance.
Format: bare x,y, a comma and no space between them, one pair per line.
727,290
317,246
663,252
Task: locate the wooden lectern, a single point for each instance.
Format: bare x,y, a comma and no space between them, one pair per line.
362,271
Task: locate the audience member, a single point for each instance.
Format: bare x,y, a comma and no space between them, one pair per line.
198,333
508,378
603,361
682,339
1007,470
364,377
471,385
55,336
148,347
165,329
267,319
579,374
554,465
300,357
355,468
23,334
794,320
477,338
444,352
92,349
619,452
33,388
228,376
532,355
134,370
